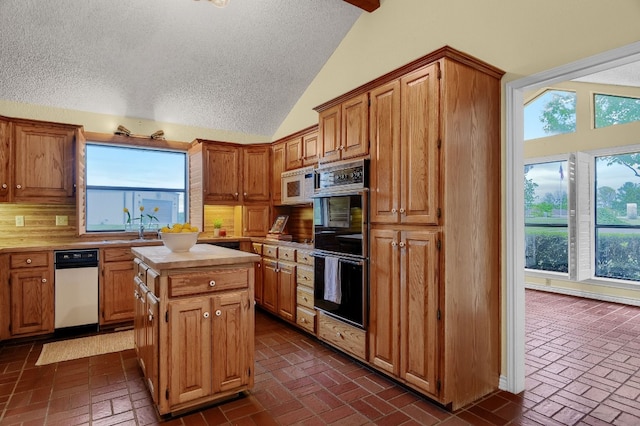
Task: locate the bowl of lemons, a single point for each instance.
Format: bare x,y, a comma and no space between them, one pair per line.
180,237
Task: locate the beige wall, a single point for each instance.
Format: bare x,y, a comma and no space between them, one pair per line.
520,37
103,123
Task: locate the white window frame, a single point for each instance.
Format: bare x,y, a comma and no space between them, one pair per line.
582,217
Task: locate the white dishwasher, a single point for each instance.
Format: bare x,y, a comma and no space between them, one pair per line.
76,288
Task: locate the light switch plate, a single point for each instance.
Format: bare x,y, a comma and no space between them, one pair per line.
19,220
62,220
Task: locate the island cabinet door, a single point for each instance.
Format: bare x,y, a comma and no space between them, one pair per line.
189,349
232,341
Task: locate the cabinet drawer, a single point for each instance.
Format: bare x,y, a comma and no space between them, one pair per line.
305,276
208,281
153,281
287,253
117,254
257,248
270,251
140,269
29,260
306,319
304,257
343,336
304,297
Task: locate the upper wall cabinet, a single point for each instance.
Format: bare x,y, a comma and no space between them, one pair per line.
5,155
228,173
301,149
343,129
37,161
256,160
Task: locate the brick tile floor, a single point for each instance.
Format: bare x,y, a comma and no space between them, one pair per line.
582,364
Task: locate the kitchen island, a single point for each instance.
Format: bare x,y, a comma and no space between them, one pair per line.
194,324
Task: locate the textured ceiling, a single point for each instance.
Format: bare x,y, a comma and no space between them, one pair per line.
241,68
625,75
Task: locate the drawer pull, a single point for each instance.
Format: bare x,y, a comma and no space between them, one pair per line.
140,274
218,312
28,261
44,281
305,299
339,335
206,315
212,283
303,320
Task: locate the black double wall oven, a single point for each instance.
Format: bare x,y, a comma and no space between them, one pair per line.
341,233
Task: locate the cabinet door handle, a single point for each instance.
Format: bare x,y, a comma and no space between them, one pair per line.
44,281
19,186
28,261
206,315
401,210
212,283
245,194
236,195
218,312
394,211
402,244
4,186
394,244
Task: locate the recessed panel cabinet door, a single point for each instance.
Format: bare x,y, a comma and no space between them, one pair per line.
232,340
419,267
384,301
420,132
384,128
190,349
44,163
270,285
32,301
330,132
5,156
116,300
256,161
222,182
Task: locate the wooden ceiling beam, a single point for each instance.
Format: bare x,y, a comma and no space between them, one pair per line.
368,5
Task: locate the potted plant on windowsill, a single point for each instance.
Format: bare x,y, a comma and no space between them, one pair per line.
217,224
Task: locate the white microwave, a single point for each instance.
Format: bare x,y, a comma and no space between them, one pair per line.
298,186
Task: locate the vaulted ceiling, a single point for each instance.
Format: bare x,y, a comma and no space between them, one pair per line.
240,68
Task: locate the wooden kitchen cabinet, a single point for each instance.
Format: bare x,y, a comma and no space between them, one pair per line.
279,281
343,129
37,161
31,293
117,273
404,305
435,227
404,127
301,149
202,323
255,220
278,166
5,158
221,173
256,162
43,166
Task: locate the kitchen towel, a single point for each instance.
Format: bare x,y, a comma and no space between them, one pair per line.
332,286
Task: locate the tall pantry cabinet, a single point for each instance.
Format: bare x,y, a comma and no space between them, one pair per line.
435,227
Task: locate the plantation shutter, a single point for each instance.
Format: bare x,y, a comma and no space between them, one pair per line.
584,216
80,183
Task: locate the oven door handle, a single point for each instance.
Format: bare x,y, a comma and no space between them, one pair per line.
340,259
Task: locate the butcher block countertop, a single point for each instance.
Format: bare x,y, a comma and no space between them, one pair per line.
200,255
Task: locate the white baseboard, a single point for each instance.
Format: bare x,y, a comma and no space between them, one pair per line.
585,294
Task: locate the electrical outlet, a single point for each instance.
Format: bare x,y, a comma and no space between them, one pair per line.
19,220
62,220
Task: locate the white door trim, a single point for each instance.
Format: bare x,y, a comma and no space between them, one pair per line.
515,374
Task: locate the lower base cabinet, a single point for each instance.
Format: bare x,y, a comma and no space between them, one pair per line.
196,345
